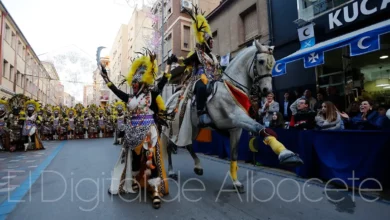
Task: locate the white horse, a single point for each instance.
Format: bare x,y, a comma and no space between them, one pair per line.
229,116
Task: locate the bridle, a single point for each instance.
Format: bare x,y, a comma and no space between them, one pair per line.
256,75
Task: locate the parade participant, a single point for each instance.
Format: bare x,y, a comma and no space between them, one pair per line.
205,65
101,122
70,121
120,121
110,122
86,121
47,129
16,121
31,138
142,151
4,132
55,122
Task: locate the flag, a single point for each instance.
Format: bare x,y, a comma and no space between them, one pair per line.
306,36
365,43
225,60
314,59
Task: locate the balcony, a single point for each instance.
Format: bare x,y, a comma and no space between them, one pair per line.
309,9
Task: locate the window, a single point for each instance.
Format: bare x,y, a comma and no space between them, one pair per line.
250,23
215,43
11,73
186,37
5,69
8,35
13,40
18,78
168,46
168,10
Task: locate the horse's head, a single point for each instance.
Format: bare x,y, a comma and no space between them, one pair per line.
264,61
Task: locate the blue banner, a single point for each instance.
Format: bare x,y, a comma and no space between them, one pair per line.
314,59
365,43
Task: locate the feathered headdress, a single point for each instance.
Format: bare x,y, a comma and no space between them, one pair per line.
101,110
120,105
84,109
32,105
70,110
56,109
143,69
200,25
4,104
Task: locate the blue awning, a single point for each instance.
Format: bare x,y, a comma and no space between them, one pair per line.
362,41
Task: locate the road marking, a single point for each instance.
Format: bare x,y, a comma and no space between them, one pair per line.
3,184
2,159
9,205
30,161
32,166
8,177
7,189
14,160
13,167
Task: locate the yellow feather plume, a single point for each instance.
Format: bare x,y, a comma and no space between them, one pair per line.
33,102
149,75
199,34
160,103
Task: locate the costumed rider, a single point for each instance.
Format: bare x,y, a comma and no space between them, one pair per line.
120,121
70,121
4,131
205,65
141,152
31,138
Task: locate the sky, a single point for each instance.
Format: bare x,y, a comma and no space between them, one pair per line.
68,32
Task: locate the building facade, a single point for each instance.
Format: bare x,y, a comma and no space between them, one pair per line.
178,37
88,96
21,70
69,100
53,78
59,90
350,53
235,24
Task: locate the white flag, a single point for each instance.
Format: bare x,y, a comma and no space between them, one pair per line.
306,32
225,60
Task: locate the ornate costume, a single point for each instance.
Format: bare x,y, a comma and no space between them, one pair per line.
141,159
204,65
120,121
4,131
71,122
16,121
31,137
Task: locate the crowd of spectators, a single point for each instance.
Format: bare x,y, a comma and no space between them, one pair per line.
322,113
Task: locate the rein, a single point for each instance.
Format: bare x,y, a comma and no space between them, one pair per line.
255,73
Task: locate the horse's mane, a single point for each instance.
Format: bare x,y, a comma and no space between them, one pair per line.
251,49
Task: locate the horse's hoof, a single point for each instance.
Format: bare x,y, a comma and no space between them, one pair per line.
156,203
173,176
109,191
198,171
292,160
240,188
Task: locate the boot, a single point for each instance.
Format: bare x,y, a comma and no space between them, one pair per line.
201,99
154,184
86,135
25,146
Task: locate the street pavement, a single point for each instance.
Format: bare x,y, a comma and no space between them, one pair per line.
69,180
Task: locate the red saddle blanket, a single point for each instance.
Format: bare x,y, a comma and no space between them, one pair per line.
239,96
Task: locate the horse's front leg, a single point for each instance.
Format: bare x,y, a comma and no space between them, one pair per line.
286,157
198,168
235,136
171,173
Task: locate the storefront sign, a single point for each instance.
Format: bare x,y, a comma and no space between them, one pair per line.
353,11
